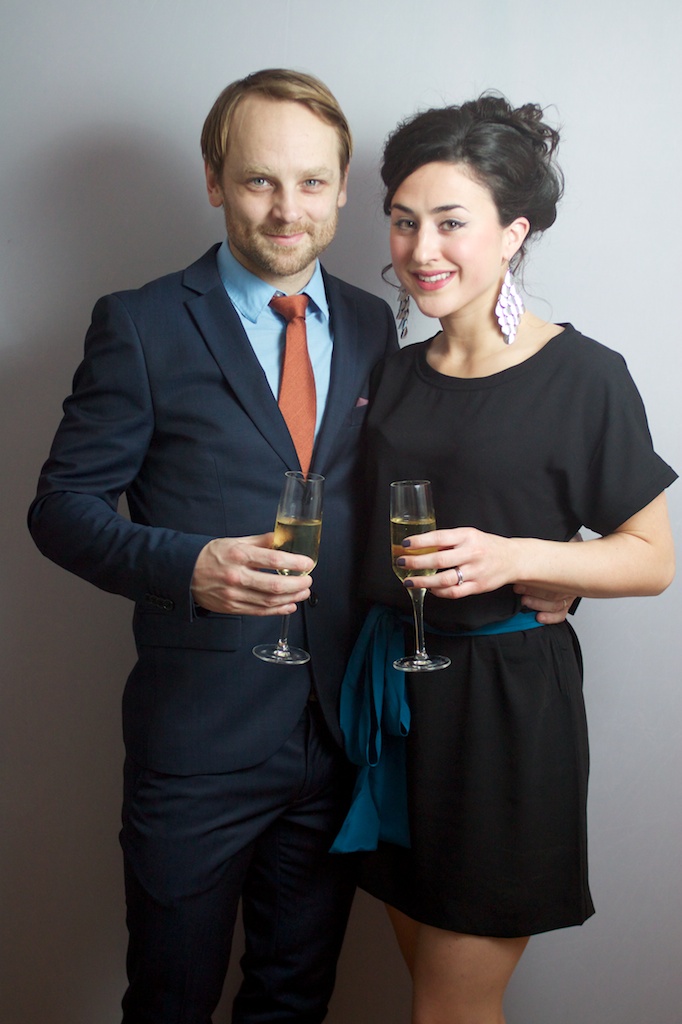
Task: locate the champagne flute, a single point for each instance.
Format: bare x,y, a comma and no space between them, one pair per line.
412,513
297,529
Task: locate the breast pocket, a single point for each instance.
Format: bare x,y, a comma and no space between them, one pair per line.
359,414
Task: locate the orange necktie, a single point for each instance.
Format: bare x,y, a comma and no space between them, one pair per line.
297,400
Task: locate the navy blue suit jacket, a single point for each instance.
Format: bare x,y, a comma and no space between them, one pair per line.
171,407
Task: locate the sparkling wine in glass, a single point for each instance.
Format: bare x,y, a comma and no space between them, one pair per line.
297,529
412,513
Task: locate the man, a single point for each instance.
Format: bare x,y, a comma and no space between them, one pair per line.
235,783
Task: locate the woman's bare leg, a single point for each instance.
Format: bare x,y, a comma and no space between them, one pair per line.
457,979
406,931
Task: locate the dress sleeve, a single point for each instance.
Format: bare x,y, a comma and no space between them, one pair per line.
617,472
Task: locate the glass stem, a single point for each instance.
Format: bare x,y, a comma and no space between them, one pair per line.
417,595
283,642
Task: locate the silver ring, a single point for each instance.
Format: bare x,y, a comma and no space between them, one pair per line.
460,578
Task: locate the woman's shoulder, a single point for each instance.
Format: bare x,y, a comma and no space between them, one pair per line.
573,343
402,361
590,368
396,370
575,353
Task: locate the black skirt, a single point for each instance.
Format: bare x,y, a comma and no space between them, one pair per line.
497,762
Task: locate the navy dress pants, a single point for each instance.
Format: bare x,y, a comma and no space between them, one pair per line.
195,845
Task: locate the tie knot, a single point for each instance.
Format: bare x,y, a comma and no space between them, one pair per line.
289,306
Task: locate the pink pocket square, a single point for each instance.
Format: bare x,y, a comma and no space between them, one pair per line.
361,401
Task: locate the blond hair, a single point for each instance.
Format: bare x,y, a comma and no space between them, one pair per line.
272,84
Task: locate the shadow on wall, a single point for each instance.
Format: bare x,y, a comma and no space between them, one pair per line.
106,209
110,208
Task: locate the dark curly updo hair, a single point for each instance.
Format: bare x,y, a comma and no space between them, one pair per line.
511,152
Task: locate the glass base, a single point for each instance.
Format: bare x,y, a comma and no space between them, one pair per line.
281,655
415,664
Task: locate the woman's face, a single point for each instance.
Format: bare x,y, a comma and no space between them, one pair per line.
448,247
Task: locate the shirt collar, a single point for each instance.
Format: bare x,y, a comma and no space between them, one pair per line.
251,295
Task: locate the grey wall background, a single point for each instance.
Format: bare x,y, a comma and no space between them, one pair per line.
102,188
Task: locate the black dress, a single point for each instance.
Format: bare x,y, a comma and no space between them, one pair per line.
497,753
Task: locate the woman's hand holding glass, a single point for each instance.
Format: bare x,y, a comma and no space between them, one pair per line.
468,561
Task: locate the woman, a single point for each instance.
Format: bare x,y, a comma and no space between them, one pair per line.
527,430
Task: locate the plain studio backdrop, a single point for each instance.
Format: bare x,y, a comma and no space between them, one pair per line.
102,189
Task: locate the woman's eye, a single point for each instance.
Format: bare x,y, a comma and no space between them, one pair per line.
452,225
404,224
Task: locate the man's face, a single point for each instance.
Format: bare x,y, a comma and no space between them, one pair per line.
281,189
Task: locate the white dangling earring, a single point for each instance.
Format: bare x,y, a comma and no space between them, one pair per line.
509,308
403,312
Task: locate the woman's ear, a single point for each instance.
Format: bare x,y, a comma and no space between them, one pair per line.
515,235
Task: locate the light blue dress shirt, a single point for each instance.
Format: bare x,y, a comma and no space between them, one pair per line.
266,330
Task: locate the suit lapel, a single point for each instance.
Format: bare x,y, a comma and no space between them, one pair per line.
224,335
345,379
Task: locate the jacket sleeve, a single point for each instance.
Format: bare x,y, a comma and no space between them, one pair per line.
97,455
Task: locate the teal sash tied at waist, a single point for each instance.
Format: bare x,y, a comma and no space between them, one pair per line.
375,719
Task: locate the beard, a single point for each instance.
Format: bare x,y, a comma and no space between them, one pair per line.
264,255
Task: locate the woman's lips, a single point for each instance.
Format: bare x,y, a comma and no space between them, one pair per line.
432,282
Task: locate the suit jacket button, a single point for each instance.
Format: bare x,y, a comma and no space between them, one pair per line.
165,603
313,599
